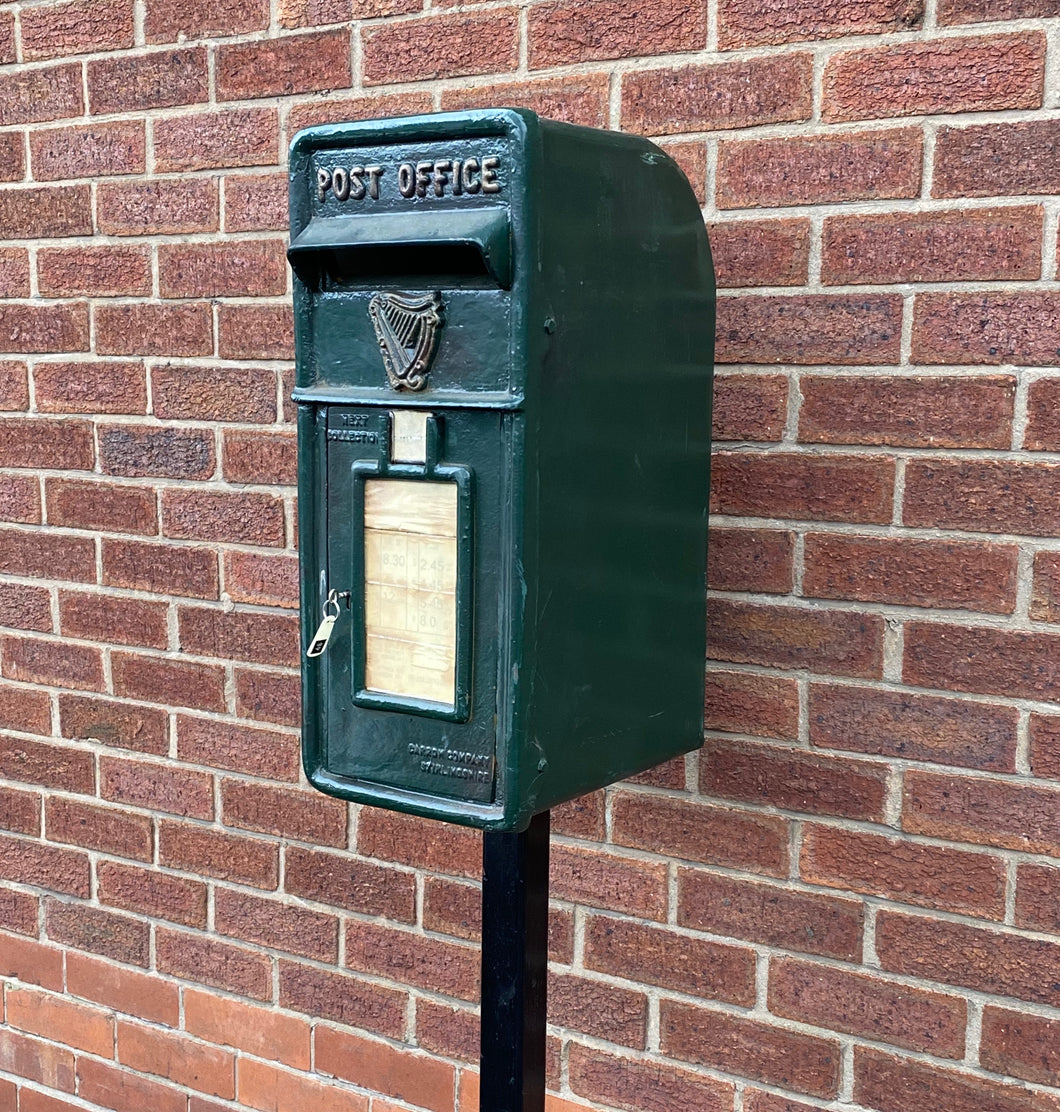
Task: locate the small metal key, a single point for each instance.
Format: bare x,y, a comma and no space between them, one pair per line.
323,633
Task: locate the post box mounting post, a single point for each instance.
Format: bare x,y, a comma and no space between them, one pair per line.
514,968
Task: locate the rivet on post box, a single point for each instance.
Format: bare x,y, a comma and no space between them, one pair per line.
504,335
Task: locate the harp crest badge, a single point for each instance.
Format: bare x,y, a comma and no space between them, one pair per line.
406,327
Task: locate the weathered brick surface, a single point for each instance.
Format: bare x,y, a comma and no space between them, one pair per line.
1011,159
441,46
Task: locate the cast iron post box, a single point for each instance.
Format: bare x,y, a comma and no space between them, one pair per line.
504,335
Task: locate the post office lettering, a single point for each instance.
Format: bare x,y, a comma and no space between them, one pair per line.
440,177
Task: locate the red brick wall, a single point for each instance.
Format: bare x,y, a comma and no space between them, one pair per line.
851,896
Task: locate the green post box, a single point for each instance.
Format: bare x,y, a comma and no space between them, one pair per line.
504,334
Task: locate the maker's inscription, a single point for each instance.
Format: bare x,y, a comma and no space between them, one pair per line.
439,177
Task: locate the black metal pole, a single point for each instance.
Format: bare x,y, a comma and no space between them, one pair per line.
514,968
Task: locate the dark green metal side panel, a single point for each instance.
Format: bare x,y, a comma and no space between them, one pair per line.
573,379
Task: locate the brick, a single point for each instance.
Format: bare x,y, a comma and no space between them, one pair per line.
810,328
1011,815
33,1101
44,328
661,957
838,642
1045,745
820,488
177,1058
168,681
1019,1045
598,1009
695,832
263,638
915,412
7,41
644,1084
31,962
565,32
333,110
1043,426
156,787
19,912
210,140
161,568
242,268
448,968
747,703
146,329
1015,158
451,907
139,451
138,82
376,1066
670,774
609,881
996,962
581,817
47,556
100,506
54,1017
240,748
14,382
718,96
947,75
266,580
282,66
271,1090
23,607
161,207
20,813
125,621
574,98
14,282
760,253
1037,897
750,1048
38,443
205,961
256,457
172,20
239,517
79,27
310,13
25,710
256,332
926,875
118,937
87,152
691,159
94,272
853,166
792,780
20,499
109,1087
1001,244
928,573
770,915
277,925
157,894
409,840
867,1006
98,387
750,407
269,697
447,1031
32,1060
346,882
256,202
105,829
208,852
901,724
182,392
124,990
53,663
259,1031
991,496
326,994
902,1085
440,46
759,22
29,96
983,11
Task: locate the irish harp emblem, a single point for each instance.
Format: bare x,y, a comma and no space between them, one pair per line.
407,330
